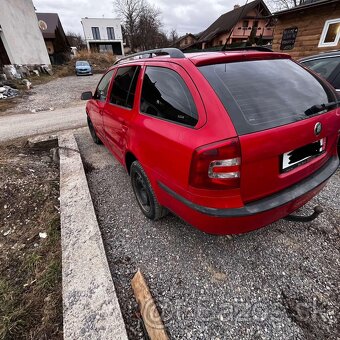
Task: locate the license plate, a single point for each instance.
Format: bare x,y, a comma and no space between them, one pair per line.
299,156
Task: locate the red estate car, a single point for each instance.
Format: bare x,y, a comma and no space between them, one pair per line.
229,141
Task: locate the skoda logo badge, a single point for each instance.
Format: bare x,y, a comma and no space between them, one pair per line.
317,128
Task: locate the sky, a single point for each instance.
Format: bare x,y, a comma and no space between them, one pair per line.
186,16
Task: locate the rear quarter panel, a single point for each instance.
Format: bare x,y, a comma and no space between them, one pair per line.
165,148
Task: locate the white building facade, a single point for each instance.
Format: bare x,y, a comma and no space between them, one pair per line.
103,35
21,41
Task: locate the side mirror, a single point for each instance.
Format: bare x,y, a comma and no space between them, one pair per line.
86,95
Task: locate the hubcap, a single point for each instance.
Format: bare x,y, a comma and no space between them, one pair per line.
141,192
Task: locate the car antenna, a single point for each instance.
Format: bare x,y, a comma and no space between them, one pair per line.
232,30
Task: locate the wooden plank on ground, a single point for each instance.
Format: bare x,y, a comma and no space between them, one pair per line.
152,320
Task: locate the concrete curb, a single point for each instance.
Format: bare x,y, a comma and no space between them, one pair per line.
90,305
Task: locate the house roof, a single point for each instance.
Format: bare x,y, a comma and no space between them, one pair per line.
308,4
183,37
228,20
52,23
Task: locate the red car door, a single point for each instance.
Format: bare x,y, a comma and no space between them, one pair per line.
119,109
96,105
170,111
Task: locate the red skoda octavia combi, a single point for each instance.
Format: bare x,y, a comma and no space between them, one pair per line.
228,141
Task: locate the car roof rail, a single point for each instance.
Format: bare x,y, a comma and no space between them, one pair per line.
172,52
249,48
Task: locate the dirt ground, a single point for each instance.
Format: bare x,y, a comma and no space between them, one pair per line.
30,251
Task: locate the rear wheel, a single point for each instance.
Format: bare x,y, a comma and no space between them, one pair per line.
144,193
94,136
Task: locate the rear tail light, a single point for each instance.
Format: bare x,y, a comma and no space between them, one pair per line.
216,166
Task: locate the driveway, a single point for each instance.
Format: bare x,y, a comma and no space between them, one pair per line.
59,93
50,107
279,282
24,124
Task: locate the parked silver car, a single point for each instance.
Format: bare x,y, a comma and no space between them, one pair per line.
327,65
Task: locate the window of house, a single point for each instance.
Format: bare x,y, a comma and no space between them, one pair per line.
245,23
330,33
95,33
103,86
165,95
110,33
124,86
256,23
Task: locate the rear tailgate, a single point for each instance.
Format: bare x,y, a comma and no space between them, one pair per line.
272,106
264,170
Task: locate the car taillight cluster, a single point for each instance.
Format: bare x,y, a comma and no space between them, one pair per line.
216,165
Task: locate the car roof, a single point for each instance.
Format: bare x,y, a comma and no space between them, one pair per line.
321,55
205,58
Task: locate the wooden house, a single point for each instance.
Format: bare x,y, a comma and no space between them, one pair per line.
308,29
247,23
185,41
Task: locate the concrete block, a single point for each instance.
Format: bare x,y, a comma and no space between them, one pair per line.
90,304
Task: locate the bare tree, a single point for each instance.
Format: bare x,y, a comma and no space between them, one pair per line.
142,24
149,34
76,40
173,36
277,5
130,11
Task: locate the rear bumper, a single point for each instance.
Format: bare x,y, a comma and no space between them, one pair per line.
255,214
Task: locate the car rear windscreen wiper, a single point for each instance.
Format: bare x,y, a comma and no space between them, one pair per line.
318,108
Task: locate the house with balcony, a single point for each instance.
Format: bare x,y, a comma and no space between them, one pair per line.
103,35
248,23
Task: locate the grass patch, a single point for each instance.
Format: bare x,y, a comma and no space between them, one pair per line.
51,276
30,271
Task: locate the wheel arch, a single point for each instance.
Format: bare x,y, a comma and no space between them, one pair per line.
129,159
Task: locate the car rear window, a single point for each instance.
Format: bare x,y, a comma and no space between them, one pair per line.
263,94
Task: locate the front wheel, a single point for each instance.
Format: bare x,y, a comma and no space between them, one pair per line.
94,136
144,193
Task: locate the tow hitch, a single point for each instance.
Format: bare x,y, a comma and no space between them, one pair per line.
317,211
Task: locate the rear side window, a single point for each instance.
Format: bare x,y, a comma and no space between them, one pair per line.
165,95
324,66
103,86
124,86
263,94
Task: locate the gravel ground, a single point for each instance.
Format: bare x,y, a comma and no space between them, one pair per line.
59,93
279,282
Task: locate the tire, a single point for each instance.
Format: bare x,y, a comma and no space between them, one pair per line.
94,136
144,193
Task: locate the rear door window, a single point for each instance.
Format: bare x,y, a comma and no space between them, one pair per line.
165,95
263,94
124,86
